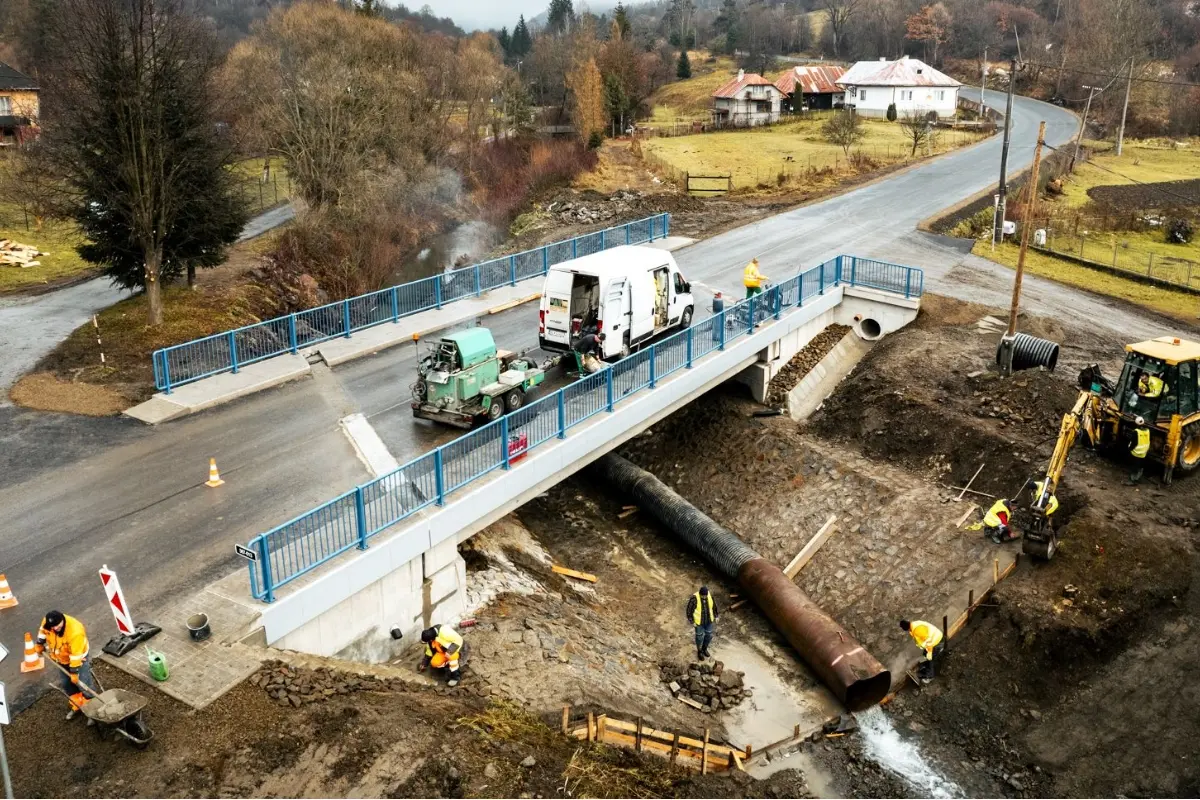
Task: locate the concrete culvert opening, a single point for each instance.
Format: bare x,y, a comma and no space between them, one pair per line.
868,329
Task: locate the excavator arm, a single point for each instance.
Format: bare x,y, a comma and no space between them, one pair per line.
1040,539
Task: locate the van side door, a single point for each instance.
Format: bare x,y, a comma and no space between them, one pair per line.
616,313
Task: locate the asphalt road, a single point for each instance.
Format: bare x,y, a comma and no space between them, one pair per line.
77,494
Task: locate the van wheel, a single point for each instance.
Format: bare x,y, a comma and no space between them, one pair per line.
495,410
625,348
686,320
514,400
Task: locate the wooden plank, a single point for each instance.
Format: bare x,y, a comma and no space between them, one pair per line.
591,727
570,573
627,513
967,488
689,701
675,748
737,760
638,744
665,736
601,727
704,755
738,604
810,549
566,717
965,516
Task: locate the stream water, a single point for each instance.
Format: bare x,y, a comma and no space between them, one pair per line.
883,744
439,253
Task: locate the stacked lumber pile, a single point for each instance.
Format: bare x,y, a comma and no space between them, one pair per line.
15,254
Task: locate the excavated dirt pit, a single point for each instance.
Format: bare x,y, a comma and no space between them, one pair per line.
1039,696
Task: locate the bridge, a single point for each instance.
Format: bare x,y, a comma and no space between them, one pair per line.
384,555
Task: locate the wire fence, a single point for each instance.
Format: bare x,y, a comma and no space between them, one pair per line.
1110,252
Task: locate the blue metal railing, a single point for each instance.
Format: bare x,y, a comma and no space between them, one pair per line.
296,547
232,350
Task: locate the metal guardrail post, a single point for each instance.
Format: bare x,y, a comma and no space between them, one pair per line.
750,316
437,291
602,239
478,285
721,332
438,477
166,372
545,261
575,247
346,316
853,270
609,387
666,218
562,415
264,558
512,270
295,345
651,239
395,304
628,234
821,279
837,270
504,442
690,345
777,301
907,283
360,517
233,352
653,375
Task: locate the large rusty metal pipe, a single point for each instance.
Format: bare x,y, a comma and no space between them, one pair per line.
850,672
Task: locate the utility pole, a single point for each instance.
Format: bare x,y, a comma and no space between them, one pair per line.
1002,203
983,84
1004,356
1083,124
1125,110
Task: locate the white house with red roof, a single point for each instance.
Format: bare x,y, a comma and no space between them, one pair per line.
913,85
749,99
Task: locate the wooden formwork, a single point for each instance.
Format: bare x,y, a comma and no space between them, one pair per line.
698,753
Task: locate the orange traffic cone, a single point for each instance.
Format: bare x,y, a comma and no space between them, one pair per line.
7,599
33,662
214,477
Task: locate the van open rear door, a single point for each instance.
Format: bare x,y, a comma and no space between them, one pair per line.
616,312
558,308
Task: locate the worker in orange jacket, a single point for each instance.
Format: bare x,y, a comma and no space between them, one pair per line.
64,639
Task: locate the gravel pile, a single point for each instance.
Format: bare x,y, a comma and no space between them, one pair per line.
802,363
299,686
709,684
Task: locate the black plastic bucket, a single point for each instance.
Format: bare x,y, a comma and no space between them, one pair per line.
197,625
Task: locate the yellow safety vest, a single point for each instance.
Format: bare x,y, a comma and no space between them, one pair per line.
448,641
1142,448
992,519
751,277
68,649
926,636
696,615
1051,504
1154,387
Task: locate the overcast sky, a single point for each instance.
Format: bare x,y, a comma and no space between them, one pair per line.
471,14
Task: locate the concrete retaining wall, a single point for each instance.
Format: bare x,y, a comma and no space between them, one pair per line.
808,395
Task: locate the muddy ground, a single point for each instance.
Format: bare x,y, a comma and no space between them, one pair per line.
1041,695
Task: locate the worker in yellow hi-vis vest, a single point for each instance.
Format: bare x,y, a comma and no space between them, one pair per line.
752,279
1139,448
929,638
703,613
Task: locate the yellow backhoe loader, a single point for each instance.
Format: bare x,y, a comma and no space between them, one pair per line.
1160,383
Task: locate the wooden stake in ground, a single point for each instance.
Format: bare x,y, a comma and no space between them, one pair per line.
1026,224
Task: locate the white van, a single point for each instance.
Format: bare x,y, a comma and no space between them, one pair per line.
629,293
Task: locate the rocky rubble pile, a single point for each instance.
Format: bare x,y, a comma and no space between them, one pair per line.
710,685
802,363
596,209
299,686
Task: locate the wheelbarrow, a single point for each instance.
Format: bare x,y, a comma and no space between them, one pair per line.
115,710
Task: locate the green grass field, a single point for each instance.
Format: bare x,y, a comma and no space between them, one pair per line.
758,156
691,99
1180,305
1143,161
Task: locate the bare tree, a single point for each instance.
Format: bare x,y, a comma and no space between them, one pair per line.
843,129
838,14
918,128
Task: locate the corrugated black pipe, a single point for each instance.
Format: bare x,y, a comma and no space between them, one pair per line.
850,672
1030,352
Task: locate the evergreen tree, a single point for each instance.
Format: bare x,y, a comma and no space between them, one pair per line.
522,42
505,41
683,68
137,144
369,8
728,24
560,17
621,17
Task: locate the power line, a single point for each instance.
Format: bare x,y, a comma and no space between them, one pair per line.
1107,75
1155,186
